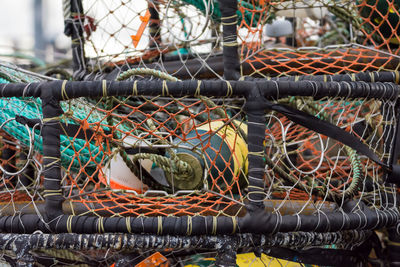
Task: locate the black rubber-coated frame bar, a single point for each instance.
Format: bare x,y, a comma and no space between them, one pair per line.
154,25
256,124
77,40
212,88
371,77
51,155
254,222
229,20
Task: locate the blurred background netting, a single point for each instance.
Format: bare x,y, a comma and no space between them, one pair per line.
275,38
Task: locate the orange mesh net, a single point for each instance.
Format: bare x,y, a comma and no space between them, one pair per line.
189,160
163,156
329,37
323,37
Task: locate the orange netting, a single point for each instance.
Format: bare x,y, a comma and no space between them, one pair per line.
345,36
190,156
165,156
196,156
328,37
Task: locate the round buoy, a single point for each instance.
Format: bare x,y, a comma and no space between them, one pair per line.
218,149
117,175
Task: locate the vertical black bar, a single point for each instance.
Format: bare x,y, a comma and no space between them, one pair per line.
154,25
51,155
255,109
77,40
229,32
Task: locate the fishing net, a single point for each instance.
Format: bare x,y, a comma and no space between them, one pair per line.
329,37
21,157
183,158
252,161
186,147
160,156
194,158
184,38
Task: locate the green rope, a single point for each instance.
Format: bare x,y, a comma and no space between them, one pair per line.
170,165
31,108
145,71
312,108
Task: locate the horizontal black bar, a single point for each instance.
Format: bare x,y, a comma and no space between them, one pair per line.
258,222
212,88
70,129
373,76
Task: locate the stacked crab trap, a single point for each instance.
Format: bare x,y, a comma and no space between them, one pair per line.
194,128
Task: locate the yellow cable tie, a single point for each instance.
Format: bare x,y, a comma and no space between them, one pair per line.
104,86
159,225
164,89
63,91
388,122
229,91
53,190
69,223
229,23
214,226
58,118
134,89
256,153
230,17
51,163
189,226
128,224
234,43
48,157
100,225
256,187
234,223
76,41
393,243
197,92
